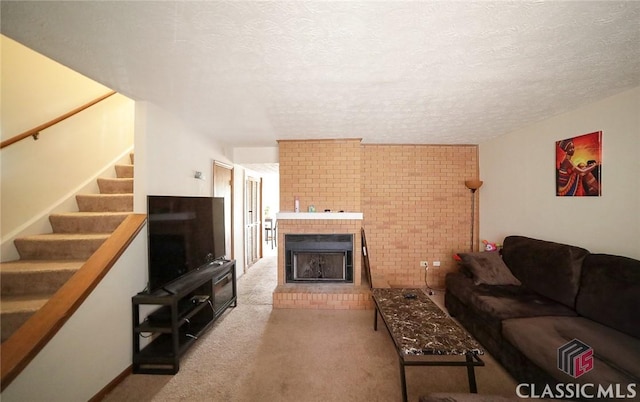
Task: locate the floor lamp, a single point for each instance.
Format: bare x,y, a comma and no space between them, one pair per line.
473,185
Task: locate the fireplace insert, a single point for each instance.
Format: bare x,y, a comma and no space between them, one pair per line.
319,258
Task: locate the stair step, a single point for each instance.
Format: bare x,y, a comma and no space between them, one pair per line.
115,185
48,261
59,246
35,276
124,171
86,222
16,310
105,202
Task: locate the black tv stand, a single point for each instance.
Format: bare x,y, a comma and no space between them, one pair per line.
186,308
166,290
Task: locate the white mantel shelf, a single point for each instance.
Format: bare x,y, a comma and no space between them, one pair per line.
320,215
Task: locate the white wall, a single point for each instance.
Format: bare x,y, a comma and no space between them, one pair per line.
174,154
94,346
36,89
271,193
41,177
38,176
171,155
518,169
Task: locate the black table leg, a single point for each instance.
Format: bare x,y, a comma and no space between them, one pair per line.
473,388
375,318
403,381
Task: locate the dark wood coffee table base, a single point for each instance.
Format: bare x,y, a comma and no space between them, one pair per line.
393,305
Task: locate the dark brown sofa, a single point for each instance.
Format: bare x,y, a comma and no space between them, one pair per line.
560,293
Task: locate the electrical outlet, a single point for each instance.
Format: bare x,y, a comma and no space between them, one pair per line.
424,264
436,263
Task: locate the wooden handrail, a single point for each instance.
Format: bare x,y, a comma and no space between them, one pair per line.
35,131
17,351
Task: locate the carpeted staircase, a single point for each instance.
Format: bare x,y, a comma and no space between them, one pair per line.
47,261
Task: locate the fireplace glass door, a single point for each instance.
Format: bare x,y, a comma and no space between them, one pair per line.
319,266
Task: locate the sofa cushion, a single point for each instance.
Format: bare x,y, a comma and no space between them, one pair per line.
610,292
488,268
503,301
616,355
551,269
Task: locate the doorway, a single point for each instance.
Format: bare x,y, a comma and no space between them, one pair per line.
223,187
253,220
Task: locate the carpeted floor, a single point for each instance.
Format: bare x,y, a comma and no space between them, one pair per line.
255,353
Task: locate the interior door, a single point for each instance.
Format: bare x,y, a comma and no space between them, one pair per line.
252,220
223,187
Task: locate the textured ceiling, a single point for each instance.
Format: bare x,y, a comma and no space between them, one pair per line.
250,73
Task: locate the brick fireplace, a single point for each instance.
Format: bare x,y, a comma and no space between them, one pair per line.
413,201
347,293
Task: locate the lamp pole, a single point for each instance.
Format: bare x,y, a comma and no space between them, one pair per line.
473,185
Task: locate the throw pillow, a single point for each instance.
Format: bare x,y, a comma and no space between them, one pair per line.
488,268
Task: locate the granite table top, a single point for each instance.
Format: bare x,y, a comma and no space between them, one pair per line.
419,327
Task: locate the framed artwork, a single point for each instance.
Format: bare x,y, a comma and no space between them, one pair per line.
579,166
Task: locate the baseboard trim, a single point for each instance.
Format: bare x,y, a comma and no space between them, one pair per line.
112,385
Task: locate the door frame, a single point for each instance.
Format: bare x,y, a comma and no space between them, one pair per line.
256,225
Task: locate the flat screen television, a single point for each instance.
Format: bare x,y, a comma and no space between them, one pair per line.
184,234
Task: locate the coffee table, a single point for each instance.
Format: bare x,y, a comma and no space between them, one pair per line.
420,329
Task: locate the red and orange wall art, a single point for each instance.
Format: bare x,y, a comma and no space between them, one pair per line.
579,166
